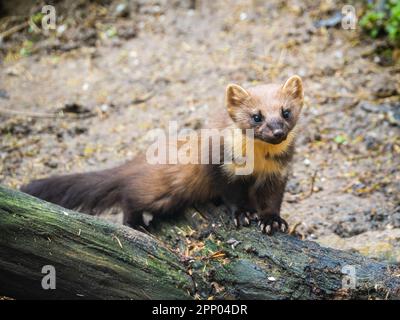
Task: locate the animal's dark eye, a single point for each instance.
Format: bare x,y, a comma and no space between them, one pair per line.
286,114
257,118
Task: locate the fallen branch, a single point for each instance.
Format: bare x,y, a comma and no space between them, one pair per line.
12,30
92,259
199,255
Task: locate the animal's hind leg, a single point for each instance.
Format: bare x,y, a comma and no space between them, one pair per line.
131,216
132,219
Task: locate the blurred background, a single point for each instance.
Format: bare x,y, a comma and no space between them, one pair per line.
82,95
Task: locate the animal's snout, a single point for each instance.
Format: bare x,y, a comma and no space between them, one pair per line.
278,133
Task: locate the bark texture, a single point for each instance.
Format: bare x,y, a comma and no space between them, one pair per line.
197,255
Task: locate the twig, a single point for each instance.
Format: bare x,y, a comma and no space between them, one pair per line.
30,114
13,30
143,99
314,176
292,230
144,230
310,192
119,242
60,114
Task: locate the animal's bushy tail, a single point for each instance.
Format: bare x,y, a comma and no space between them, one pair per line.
88,192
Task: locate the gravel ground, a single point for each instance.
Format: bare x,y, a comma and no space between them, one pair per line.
84,101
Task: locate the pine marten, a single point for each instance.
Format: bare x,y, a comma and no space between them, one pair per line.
271,110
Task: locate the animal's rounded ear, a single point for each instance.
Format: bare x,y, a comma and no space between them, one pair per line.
293,88
235,95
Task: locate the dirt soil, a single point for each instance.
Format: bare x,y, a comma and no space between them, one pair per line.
85,98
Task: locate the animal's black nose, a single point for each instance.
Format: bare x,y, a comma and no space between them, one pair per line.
278,133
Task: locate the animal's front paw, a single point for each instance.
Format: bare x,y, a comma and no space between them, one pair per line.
271,223
242,219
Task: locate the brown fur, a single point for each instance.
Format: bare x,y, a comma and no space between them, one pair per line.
139,187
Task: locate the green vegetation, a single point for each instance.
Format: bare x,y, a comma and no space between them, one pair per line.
383,19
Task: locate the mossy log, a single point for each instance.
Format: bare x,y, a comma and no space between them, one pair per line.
198,255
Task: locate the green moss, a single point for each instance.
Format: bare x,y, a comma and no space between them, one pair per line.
92,257
383,20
